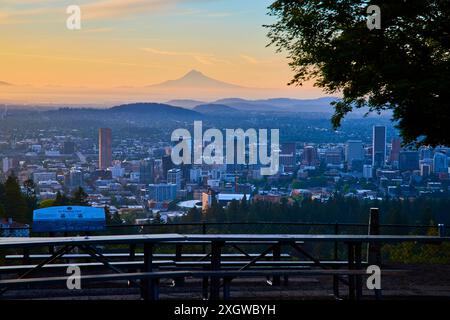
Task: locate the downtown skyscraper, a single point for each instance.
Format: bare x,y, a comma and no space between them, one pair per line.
379,146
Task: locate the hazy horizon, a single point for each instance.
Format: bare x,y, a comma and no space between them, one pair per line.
124,47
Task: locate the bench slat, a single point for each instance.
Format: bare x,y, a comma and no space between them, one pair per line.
193,274
138,254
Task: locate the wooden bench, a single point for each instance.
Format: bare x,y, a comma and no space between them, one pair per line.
160,264
16,269
150,280
291,263
184,256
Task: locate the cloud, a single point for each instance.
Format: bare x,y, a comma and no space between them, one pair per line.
169,53
22,11
203,58
120,8
218,14
253,60
23,16
97,30
83,60
123,8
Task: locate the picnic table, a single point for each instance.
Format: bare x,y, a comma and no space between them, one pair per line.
273,243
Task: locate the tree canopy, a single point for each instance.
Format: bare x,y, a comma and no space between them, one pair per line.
404,66
17,204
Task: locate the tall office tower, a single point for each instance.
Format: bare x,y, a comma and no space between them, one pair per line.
146,171
287,148
174,177
75,178
379,146
425,170
426,153
287,156
395,150
185,171
440,163
408,160
167,164
162,192
310,157
105,148
354,151
333,157
234,165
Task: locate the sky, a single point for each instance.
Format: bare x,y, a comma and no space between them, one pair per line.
125,45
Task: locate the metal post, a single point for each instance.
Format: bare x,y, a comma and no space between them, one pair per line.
351,266
336,232
276,257
26,256
203,227
131,257
358,266
374,249
216,247
336,258
205,285
226,288
149,286
178,256
51,249
204,232
336,285
441,228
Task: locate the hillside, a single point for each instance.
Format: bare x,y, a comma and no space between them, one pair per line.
153,109
215,108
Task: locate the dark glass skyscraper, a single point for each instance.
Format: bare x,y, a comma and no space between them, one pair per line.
395,150
146,171
379,146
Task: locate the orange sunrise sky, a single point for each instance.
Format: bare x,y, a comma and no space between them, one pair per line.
124,46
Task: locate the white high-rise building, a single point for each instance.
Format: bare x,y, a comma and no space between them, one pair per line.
367,171
5,165
174,176
440,163
117,171
195,175
425,170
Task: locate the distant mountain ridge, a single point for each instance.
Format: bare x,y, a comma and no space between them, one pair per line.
152,108
215,108
185,103
321,105
190,108
3,83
